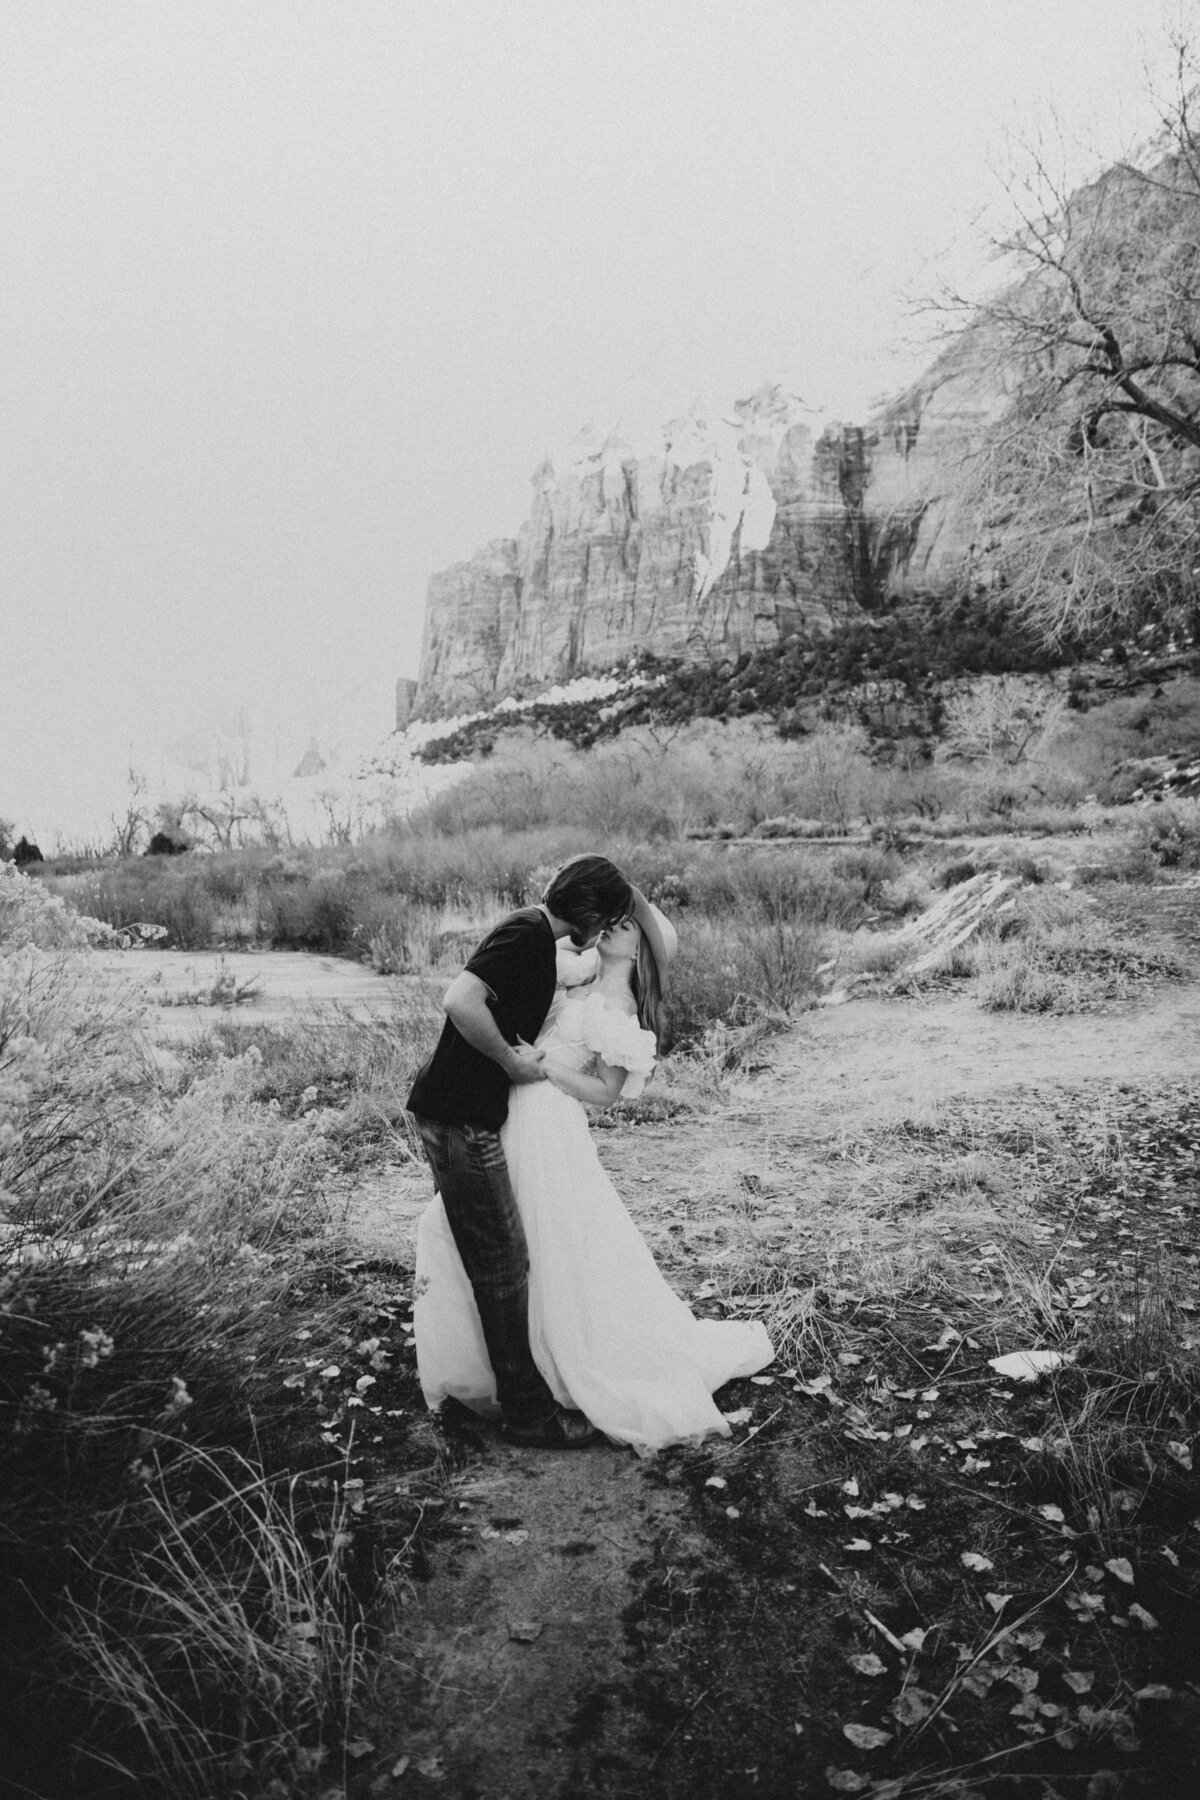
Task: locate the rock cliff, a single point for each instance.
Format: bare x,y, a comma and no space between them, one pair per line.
739,530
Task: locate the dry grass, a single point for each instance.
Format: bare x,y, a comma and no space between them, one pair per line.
949,1205
1051,953
159,1250
344,1078
228,1657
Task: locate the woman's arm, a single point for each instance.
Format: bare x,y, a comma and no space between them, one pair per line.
600,1089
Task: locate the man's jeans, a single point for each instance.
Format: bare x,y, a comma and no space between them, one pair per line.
471,1175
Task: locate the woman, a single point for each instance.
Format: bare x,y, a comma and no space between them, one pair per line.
609,1335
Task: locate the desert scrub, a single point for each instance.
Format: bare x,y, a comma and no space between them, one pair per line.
739,971
346,1079
1169,835
1049,952
171,1617
1054,953
782,887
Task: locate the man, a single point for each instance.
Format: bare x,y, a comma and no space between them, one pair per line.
494,1011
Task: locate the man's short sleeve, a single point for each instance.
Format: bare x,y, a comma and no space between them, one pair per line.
510,962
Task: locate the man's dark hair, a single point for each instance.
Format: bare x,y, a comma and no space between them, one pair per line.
589,890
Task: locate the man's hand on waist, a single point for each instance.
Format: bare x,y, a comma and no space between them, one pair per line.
525,1064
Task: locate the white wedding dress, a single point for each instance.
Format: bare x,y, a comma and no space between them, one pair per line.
608,1334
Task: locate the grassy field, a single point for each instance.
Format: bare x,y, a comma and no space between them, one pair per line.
208,1391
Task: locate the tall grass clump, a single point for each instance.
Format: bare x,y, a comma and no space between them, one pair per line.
224,1599
1055,954
348,1075
776,887
172,1624
739,971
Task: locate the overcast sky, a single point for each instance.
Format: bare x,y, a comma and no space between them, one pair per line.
294,296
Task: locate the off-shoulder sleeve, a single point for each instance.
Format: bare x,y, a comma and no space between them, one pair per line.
574,967
619,1041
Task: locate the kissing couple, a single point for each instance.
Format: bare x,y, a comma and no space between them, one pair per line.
538,1299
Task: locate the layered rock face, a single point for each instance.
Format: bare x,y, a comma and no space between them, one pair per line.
741,530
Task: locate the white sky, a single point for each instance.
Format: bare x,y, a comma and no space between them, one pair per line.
294,294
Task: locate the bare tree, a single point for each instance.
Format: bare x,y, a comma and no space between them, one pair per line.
217,820
269,818
1088,484
129,825
1001,719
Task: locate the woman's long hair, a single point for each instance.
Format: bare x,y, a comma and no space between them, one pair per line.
647,989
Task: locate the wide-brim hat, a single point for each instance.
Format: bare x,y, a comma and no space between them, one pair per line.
658,932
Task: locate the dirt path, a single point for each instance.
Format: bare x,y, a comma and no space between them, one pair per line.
871,1059
521,1619
559,1543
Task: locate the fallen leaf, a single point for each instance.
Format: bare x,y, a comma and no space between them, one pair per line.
1145,1619
846,1781
866,1737
1121,1567
398,1768
717,1481
524,1631
1080,1681
1157,1690
763,1380
359,1747
1182,1454
971,1559
869,1664
741,1416
858,1544
1054,1514
911,1706
433,1768
914,1639
997,1602
850,1487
